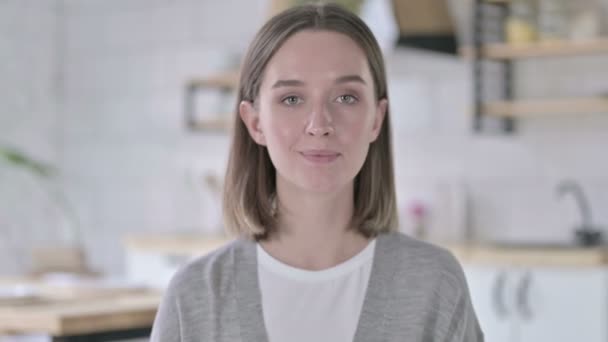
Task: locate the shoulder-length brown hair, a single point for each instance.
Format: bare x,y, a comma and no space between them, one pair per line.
250,182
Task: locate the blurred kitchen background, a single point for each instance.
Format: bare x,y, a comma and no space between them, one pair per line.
115,130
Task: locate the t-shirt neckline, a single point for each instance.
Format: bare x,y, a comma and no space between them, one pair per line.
277,267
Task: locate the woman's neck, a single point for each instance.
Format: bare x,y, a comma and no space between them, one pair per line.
314,229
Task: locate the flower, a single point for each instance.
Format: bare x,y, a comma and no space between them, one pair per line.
417,210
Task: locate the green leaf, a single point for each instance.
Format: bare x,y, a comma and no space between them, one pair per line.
19,159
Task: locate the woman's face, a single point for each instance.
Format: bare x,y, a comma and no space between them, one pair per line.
316,111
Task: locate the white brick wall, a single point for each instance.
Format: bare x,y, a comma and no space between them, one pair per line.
127,158
128,162
28,121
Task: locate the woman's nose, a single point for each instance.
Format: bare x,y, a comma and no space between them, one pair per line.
320,123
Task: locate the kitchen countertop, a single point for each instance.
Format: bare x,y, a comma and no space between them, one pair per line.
529,255
65,311
184,244
477,253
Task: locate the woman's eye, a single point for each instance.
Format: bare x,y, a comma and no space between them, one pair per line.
291,100
348,99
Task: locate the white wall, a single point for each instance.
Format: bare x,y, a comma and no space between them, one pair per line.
29,120
127,158
128,162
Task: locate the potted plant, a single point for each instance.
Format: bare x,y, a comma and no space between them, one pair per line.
68,256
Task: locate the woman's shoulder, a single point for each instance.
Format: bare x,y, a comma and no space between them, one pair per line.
200,294
422,277
416,257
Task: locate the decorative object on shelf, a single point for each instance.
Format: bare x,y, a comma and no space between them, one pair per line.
451,218
586,21
425,25
418,213
521,25
553,20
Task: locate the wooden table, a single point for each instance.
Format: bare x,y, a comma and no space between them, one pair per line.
72,315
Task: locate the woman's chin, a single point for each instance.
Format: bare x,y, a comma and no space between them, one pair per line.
316,183
322,186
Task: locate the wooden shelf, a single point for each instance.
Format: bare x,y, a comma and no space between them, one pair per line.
223,124
503,51
226,80
522,108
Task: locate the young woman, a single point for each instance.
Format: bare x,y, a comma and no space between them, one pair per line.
310,193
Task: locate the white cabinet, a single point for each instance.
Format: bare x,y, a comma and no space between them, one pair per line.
152,260
154,269
564,305
488,287
516,304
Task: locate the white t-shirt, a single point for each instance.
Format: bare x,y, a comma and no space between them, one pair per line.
301,305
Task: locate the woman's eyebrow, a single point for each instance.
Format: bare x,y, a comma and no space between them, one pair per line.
350,78
287,83
298,83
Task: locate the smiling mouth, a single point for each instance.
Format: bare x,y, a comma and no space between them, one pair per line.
320,157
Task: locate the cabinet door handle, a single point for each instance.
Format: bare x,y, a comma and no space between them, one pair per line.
523,300
498,295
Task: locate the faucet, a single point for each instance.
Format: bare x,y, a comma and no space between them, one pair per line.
586,234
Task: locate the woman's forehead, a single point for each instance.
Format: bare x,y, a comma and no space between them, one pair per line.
323,55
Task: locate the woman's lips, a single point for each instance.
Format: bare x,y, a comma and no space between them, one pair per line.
320,156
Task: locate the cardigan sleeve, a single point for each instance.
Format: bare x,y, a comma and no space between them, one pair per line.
167,325
459,322
464,326
462,323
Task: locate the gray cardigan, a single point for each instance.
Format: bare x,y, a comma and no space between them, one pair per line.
416,292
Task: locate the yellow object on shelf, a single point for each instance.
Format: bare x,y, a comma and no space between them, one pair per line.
520,32
521,24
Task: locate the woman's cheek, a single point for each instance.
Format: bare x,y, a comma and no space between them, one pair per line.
354,121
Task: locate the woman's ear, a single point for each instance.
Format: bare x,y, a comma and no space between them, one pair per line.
379,116
251,118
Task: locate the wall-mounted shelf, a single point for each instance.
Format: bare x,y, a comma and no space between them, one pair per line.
523,108
504,56
226,83
213,125
226,80
504,51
